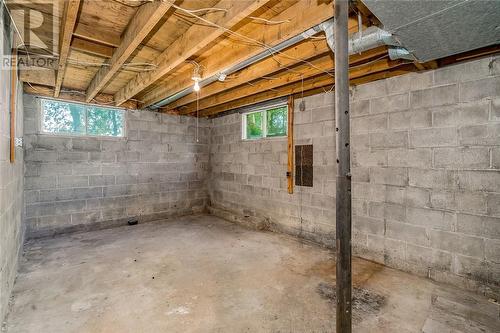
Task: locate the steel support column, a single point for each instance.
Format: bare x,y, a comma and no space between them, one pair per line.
343,194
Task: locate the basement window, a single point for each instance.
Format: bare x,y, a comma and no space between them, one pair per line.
80,119
265,123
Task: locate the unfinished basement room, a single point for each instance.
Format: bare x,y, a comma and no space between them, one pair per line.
227,166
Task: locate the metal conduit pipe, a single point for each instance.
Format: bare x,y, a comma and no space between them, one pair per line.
370,38
264,54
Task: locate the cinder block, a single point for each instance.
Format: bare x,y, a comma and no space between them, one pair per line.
50,169
422,80
436,179
475,158
435,96
86,168
479,89
99,180
46,142
434,137
55,208
463,244
323,113
72,181
398,84
410,119
389,139
389,103
487,134
495,108
492,250
406,232
369,158
493,204
36,183
86,144
388,211
472,202
386,250
368,225
127,156
417,158
102,156
470,266
359,108
443,200
40,156
479,180
428,257
369,123
370,90
495,158
462,72
70,194
389,176
428,218
73,156
484,226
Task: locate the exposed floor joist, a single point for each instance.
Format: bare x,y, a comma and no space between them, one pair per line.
304,71
357,76
304,50
67,27
189,43
78,96
303,17
141,25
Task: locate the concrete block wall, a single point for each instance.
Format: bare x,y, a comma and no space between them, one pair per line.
248,178
75,183
426,174
11,184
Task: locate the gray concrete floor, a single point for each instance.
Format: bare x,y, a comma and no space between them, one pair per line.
203,274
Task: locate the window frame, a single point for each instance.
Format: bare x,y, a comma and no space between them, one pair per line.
41,129
263,109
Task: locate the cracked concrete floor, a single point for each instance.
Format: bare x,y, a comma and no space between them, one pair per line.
203,274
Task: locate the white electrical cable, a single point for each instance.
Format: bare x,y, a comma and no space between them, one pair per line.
264,45
266,21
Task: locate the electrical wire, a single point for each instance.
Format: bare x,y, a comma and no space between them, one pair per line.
264,45
197,115
268,22
126,3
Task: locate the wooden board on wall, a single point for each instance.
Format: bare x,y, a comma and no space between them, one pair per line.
289,173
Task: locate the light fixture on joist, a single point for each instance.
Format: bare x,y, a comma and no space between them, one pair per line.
196,76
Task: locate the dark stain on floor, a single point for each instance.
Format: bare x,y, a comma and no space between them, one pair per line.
365,302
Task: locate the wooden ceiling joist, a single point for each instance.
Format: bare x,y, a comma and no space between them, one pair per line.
304,71
301,16
96,35
193,40
304,50
43,76
322,80
67,27
92,48
78,96
97,39
142,23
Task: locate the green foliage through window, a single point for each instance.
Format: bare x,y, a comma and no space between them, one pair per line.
277,121
254,125
78,119
266,123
